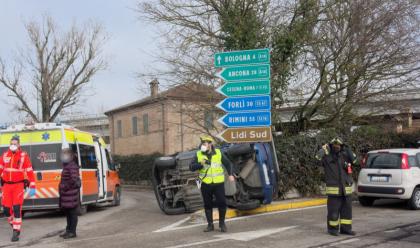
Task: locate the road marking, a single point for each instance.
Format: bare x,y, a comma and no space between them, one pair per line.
391,231
176,226
240,236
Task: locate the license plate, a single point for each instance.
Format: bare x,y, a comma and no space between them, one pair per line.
379,179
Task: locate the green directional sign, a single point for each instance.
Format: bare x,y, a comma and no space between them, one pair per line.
245,57
245,88
245,73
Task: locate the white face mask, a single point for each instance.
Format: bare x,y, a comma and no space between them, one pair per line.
65,158
13,148
203,148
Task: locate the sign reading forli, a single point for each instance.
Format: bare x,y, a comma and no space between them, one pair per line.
243,135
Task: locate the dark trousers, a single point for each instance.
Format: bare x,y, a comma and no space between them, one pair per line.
218,191
72,218
339,213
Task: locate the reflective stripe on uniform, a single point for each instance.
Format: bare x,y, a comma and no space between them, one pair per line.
333,222
332,191
349,190
13,170
29,169
346,222
213,173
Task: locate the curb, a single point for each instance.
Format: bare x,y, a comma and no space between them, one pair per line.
273,207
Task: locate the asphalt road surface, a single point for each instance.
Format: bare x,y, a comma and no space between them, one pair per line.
138,222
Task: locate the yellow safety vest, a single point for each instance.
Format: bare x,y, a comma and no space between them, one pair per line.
213,173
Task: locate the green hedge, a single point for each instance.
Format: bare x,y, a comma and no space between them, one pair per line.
136,168
296,154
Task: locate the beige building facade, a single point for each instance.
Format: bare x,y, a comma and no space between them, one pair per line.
166,122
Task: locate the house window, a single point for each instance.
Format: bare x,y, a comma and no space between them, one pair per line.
146,123
134,125
119,129
208,119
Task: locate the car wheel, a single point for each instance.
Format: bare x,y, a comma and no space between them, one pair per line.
172,211
253,204
117,197
239,149
165,163
414,202
366,201
155,184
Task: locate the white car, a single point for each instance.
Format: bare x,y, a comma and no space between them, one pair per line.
390,173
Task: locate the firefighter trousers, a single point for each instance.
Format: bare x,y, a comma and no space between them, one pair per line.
339,213
13,196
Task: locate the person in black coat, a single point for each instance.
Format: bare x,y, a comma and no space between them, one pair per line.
69,189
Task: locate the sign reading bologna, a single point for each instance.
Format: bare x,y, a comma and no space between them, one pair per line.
247,77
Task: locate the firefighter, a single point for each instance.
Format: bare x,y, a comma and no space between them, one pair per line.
210,162
337,160
14,165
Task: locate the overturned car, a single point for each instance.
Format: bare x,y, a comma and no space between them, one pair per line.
254,166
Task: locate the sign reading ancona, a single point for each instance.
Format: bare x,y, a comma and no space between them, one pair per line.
243,135
245,73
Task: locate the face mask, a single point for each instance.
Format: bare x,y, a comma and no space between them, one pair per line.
203,148
337,149
65,158
13,148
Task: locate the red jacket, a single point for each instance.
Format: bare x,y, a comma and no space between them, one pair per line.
13,167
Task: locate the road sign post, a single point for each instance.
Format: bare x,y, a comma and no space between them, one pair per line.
247,76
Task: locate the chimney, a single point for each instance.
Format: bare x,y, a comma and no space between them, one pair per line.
154,88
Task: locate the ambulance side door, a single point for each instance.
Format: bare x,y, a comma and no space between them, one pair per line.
89,173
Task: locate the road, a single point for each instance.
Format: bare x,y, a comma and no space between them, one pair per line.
139,223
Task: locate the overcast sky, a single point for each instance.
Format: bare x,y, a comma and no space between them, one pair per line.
129,47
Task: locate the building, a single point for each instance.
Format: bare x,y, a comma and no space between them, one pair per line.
164,122
97,124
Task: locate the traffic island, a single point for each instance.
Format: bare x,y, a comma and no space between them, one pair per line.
199,216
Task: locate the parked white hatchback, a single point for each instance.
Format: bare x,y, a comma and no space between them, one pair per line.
390,173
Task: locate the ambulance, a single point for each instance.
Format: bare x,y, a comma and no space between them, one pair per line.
43,142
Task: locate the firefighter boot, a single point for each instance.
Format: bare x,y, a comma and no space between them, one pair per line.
222,215
209,217
15,236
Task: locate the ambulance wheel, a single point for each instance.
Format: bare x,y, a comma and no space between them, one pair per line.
82,210
117,197
165,163
239,149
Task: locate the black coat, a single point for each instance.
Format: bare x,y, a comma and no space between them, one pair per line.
337,178
69,187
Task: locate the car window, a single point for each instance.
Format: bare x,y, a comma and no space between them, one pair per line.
88,157
384,161
111,165
412,161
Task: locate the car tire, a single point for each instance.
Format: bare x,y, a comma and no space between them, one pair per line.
414,202
253,204
239,149
165,163
117,197
366,201
172,211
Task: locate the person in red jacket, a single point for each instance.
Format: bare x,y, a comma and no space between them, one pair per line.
14,165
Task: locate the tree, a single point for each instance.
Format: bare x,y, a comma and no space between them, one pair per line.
360,51
55,69
195,30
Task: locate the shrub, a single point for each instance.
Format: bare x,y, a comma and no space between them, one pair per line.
136,168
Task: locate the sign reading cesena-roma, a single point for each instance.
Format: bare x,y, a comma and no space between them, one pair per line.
245,88
246,134
244,57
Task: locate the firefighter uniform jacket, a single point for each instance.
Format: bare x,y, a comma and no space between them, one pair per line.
338,181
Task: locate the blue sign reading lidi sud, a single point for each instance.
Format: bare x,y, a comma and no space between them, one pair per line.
246,119
241,104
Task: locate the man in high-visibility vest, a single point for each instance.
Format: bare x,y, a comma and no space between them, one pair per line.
210,162
337,160
14,165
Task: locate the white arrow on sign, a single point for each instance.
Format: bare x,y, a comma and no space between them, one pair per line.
219,59
241,236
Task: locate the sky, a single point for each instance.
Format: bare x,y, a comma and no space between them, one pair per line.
128,49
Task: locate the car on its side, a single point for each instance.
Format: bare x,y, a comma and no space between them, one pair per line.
391,174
